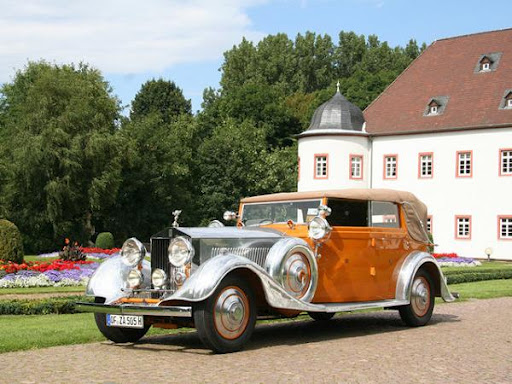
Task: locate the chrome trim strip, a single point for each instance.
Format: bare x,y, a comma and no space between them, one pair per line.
130,309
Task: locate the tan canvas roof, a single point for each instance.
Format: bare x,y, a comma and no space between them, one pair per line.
415,210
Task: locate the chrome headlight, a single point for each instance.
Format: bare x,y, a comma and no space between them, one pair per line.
132,252
319,229
159,278
215,224
180,251
135,278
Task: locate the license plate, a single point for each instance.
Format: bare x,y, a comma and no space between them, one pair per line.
125,321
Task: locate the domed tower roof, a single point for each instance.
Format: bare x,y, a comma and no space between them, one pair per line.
336,115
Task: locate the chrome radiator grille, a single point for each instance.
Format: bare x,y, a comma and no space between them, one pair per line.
257,255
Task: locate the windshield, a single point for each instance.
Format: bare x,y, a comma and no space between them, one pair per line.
280,212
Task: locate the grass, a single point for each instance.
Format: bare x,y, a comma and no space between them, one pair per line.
36,290
483,289
31,332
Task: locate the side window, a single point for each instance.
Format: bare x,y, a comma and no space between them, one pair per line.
384,214
348,213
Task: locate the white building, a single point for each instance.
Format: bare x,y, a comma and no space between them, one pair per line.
442,130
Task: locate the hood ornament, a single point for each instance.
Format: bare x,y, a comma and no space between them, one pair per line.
176,214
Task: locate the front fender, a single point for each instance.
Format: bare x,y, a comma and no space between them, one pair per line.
205,280
109,280
414,261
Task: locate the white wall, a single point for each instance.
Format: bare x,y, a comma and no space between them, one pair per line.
484,196
338,149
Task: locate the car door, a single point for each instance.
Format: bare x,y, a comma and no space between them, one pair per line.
346,267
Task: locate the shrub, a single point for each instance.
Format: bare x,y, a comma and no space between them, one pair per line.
11,244
105,240
470,276
57,305
72,252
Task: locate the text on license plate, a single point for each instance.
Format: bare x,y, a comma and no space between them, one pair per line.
125,321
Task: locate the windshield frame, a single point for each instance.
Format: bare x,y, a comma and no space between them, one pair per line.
243,205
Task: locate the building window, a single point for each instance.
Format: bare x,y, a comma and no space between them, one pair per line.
464,163
509,103
505,162
485,64
433,109
356,166
426,165
321,166
390,166
429,224
463,227
505,227
436,105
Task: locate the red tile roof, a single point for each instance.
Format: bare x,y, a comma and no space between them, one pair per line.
447,68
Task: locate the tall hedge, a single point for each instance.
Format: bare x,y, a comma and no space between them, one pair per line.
11,244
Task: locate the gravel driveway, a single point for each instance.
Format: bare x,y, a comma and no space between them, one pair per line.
468,342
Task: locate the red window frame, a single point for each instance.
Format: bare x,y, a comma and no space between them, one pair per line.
457,217
385,177
499,227
431,154
317,155
500,162
457,168
352,156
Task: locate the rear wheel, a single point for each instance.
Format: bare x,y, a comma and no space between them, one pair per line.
119,335
420,309
321,316
225,321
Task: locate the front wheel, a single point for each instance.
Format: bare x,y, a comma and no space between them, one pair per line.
225,321
119,335
420,309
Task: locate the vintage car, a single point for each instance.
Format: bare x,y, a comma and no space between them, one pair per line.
316,252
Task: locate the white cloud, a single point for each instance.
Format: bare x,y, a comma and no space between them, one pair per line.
120,36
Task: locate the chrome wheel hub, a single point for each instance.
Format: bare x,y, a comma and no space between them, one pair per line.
420,296
231,313
297,275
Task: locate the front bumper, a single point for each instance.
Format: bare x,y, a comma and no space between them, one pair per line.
131,309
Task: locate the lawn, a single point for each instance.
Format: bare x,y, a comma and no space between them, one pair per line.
30,332
483,289
36,290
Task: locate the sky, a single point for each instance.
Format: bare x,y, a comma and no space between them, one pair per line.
133,41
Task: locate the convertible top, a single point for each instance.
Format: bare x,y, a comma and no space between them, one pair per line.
415,210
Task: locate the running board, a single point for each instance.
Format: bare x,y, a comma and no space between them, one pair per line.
354,306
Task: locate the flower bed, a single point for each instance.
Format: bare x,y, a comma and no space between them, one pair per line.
42,274
90,252
453,260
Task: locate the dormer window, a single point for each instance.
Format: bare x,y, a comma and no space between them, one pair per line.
433,107
436,106
485,64
506,101
488,62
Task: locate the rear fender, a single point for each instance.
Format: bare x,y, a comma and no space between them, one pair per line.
410,267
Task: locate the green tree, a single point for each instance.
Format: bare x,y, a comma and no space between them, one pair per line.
315,62
158,177
160,96
61,152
